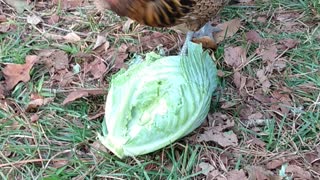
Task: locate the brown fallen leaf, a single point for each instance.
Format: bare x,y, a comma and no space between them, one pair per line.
54,19
281,102
297,172
34,118
63,78
126,26
206,168
81,93
228,29
256,142
37,101
220,122
52,36
287,16
235,56
259,173
98,146
100,41
289,43
14,73
3,18
2,90
35,104
72,37
68,4
18,5
117,56
253,36
239,80
214,174
34,19
264,80
96,68
274,164
255,116
236,175
59,163
268,53
55,58
224,139
4,27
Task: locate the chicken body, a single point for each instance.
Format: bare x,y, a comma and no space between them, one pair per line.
167,13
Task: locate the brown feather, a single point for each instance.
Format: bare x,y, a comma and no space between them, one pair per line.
167,13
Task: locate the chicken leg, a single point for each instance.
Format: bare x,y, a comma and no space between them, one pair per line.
206,31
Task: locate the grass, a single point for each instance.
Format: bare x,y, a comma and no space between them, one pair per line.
62,143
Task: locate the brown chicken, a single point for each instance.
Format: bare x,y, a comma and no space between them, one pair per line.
167,13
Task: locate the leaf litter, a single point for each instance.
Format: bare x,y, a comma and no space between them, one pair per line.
253,92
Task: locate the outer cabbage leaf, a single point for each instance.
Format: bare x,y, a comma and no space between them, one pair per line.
156,102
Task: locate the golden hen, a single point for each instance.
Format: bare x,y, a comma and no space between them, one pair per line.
167,13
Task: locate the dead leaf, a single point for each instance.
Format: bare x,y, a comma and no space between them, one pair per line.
287,16
256,142
255,116
4,27
259,173
224,139
244,1
34,118
98,146
81,93
239,80
206,168
235,56
3,18
14,73
220,122
59,163
68,4
274,164
214,174
37,101
298,172
72,37
54,19
117,57
100,41
253,36
289,43
281,102
34,19
52,36
63,77
262,19
228,29
268,53
126,25
96,68
279,65
2,90
57,59
18,5
236,175
263,79
101,5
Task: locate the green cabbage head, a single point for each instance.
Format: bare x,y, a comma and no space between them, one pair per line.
158,101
